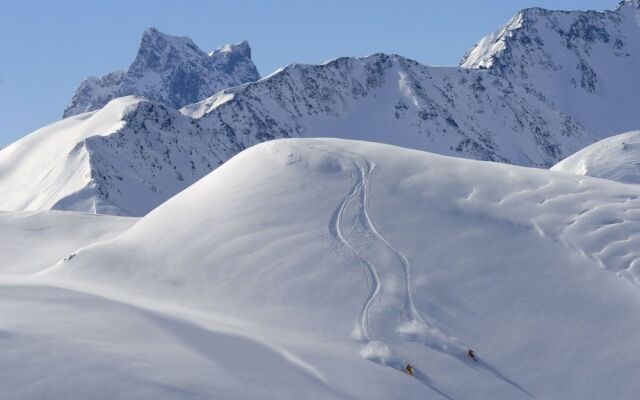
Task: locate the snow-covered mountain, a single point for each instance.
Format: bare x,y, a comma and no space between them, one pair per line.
124,159
170,70
135,154
585,63
330,265
391,99
616,158
522,98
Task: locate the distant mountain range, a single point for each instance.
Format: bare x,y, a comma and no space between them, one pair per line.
546,85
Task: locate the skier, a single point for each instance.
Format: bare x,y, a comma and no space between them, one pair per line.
472,355
409,369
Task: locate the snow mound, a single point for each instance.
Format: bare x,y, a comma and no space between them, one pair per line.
616,158
354,259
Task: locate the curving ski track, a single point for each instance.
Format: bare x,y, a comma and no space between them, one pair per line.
390,304
391,294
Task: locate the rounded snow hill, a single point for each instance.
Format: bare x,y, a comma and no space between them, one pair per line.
329,265
616,158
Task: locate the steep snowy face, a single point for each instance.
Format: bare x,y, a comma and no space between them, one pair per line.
170,70
616,158
51,169
391,99
584,62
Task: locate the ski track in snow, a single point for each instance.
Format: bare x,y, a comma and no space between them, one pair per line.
391,290
388,272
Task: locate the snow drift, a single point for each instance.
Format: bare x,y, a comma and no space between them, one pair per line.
616,158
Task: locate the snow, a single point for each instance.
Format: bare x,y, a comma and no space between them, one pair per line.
329,265
616,158
34,240
197,110
583,62
323,268
50,168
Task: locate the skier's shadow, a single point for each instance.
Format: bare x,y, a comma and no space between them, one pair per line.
478,363
419,375
422,377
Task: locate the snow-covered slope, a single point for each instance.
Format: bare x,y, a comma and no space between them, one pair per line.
170,70
584,62
32,241
50,168
357,259
124,159
616,158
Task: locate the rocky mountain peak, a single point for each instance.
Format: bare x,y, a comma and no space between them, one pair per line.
629,4
157,50
584,62
241,49
171,70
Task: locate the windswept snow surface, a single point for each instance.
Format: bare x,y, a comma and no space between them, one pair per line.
318,268
33,240
616,158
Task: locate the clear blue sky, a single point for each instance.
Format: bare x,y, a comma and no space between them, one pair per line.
48,47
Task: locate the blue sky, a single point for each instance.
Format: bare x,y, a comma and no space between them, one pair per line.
48,47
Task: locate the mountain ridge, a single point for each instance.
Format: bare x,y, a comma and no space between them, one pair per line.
490,109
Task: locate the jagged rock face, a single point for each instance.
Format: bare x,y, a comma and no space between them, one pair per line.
158,153
395,100
584,62
170,70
